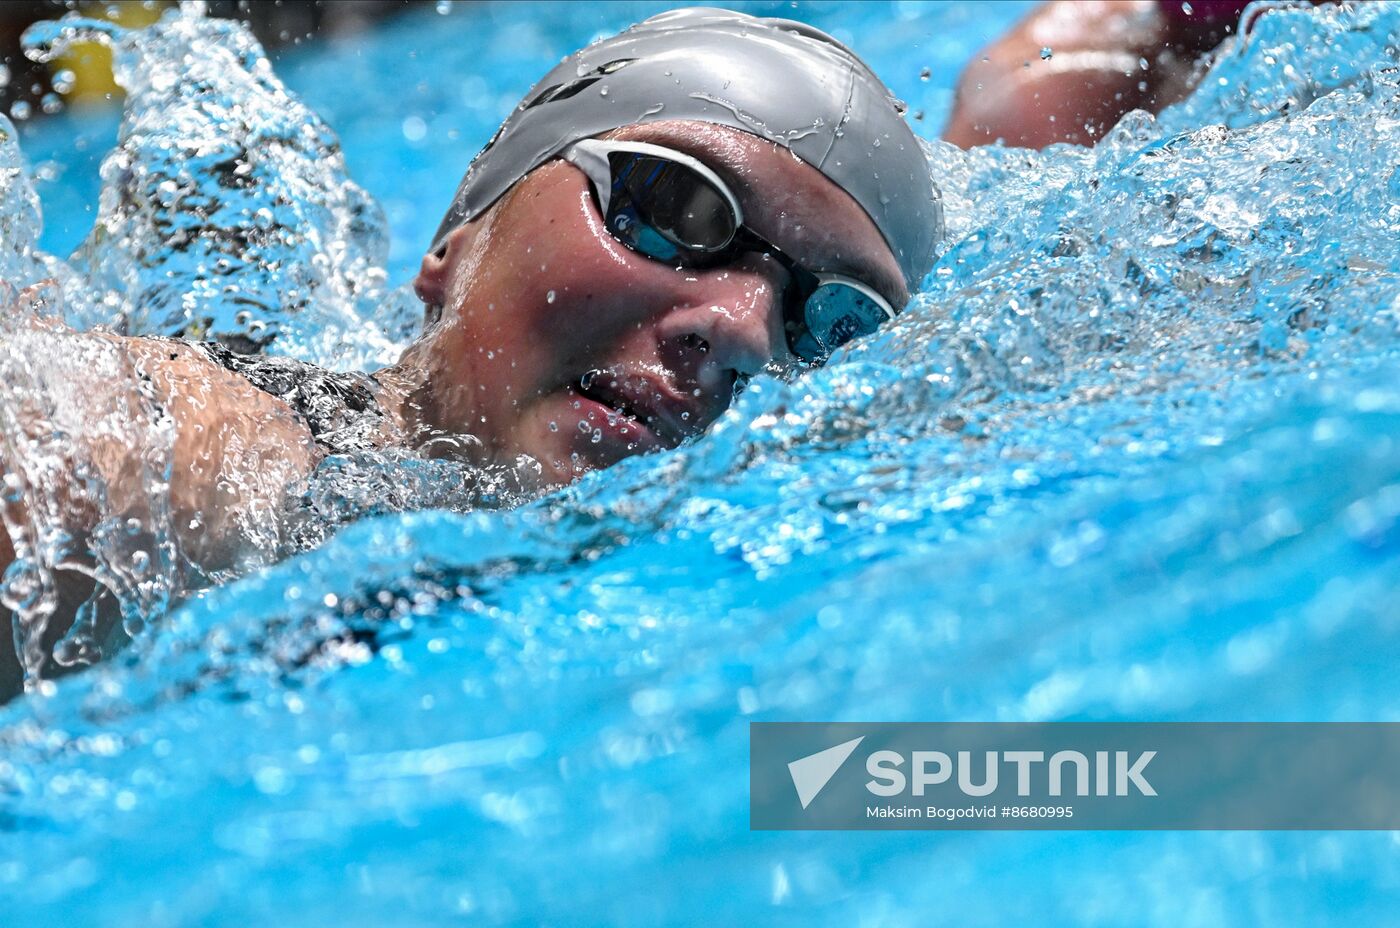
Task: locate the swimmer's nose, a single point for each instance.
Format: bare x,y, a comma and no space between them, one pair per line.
731,326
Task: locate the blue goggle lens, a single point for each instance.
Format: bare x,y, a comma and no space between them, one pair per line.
664,210
832,315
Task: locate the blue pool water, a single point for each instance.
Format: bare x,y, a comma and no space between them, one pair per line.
1133,454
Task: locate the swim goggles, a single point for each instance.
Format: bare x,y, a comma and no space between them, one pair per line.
672,208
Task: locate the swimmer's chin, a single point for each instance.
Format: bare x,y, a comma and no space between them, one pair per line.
560,472
571,436
579,456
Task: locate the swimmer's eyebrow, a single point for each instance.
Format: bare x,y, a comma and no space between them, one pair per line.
873,276
844,264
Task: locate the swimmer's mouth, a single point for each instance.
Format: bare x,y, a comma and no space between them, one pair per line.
643,399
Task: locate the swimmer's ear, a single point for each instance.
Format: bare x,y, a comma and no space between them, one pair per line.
431,282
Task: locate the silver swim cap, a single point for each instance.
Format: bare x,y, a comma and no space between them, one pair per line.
778,79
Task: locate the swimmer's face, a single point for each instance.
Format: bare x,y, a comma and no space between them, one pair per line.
558,342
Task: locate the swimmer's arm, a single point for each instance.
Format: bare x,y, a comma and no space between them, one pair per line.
1094,74
236,452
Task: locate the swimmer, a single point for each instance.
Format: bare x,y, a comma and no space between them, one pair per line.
668,213
1073,68
644,234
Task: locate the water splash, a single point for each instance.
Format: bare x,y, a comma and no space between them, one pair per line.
1287,59
88,453
226,210
22,264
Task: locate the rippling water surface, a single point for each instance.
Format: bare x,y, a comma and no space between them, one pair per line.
1133,454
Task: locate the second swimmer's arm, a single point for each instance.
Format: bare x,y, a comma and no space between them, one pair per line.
1073,68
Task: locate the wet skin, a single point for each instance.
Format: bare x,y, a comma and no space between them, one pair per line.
1108,57
535,294
527,300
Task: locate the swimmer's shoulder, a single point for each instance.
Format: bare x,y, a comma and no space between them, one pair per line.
195,389
237,451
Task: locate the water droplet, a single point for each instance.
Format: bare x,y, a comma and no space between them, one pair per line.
1047,53
414,128
20,110
549,297
443,7
925,74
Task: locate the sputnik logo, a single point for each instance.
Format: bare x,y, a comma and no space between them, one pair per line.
810,774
